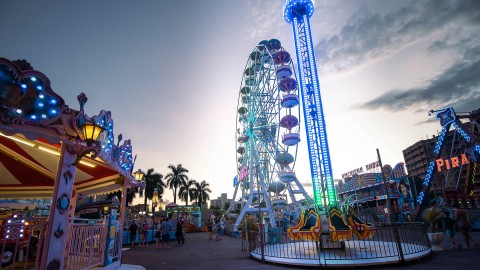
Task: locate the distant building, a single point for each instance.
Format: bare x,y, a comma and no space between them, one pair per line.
219,202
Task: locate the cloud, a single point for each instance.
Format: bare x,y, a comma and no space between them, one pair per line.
446,27
457,86
369,36
267,18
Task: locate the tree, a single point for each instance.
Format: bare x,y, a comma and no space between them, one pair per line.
153,180
176,178
226,206
200,192
186,191
130,196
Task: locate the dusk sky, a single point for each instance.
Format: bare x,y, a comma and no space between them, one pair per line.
170,72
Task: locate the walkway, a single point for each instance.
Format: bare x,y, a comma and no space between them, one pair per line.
200,253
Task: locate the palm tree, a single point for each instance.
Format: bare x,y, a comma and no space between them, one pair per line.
200,193
153,181
186,191
130,196
176,178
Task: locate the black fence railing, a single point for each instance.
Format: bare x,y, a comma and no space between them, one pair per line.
383,246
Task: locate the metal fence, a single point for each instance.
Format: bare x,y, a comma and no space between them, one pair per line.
388,244
21,239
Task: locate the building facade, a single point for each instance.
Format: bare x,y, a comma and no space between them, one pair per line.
220,202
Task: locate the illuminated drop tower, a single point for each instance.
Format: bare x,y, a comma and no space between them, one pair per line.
298,13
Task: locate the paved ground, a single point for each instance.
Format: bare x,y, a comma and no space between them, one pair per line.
201,253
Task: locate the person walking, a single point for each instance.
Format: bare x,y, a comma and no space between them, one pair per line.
133,228
211,227
166,228
144,234
449,228
158,235
220,229
179,232
464,225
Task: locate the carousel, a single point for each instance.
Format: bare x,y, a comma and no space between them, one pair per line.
52,158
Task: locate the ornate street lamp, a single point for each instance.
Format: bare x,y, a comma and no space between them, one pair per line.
91,131
138,175
154,204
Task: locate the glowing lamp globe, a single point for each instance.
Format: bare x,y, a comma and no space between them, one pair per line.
138,175
91,131
155,196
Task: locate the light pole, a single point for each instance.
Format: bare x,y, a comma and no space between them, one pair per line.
154,204
139,177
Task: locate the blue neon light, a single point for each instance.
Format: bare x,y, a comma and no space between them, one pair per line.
462,132
298,12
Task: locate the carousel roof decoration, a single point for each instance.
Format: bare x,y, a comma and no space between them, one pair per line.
26,97
33,117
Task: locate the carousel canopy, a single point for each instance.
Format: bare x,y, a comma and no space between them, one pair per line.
28,170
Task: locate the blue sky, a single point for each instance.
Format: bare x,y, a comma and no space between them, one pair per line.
170,71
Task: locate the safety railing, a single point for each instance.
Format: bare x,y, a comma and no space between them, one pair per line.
86,243
383,245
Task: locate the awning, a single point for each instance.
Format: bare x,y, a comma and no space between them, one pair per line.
28,168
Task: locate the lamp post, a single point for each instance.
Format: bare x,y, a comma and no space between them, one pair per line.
138,175
154,204
73,150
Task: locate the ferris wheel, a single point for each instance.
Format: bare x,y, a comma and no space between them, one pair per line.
267,134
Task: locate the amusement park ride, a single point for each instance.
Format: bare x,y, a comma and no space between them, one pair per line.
449,118
265,162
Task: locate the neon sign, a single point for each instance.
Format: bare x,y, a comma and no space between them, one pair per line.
451,163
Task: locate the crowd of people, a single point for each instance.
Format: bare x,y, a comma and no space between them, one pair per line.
216,227
459,220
